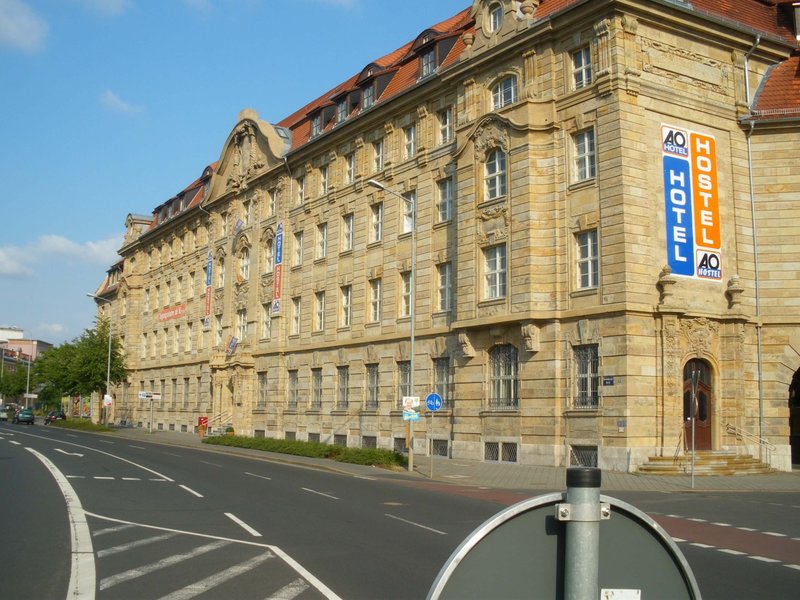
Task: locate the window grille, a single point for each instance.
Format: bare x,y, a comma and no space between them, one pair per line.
372,387
439,447
340,440
500,452
583,456
503,377
313,437
369,441
586,377
400,445
259,433
290,435
316,382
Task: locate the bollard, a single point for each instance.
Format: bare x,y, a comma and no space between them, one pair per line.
581,514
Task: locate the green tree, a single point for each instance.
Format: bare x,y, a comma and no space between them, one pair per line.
14,381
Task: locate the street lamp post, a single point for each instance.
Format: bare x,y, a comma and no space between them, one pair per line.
28,380
412,304
108,366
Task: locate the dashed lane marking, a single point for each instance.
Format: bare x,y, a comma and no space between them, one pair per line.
190,490
763,559
319,493
733,552
772,533
259,476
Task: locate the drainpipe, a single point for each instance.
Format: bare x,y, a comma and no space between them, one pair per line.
756,270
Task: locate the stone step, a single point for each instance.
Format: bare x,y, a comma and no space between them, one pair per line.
705,463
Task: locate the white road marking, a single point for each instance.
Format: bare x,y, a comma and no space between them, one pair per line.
416,524
157,479
137,544
76,477
190,490
243,525
106,442
734,552
217,579
83,578
69,453
722,524
763,559
699,545
161,564
104,477
697,520
205,462
111,530
319,493
259,476
171,454
302,571
131,479
365,477
137,447
290,591
14,442
795,567
678,540
772,533
747,529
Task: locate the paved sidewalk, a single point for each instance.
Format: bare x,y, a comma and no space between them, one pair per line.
499,475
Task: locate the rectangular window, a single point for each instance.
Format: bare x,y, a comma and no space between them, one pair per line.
373,386
316,389
266,321
173,392
403,381
587,259
301,190
583,150
375,300
292,390
405,294
144,346
189,346
244,264
296,315
247,210
444,295
272,203
348,232
269,256
298,248
341,110
347,300
350,167
443,380
218,330
221,273
376,232
176,340
185,392
445,117
428,65
377,155
241,324
190,290
319,317
262,390
494,272
444,204
410,137
322,240
343,387
409,202
586,377
581,68
323,180
316,125
367,97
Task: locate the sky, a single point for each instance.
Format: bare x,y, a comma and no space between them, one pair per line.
110,107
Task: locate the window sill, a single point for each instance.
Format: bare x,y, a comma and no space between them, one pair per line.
583,183
589,411
492,302
583,292
500,411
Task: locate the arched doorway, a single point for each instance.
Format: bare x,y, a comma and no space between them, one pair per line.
700,409
794,417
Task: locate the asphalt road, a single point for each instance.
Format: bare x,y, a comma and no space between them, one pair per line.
179,522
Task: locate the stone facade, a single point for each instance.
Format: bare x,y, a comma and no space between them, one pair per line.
546,312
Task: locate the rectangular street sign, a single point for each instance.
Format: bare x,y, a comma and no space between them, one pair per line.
32,396
145,395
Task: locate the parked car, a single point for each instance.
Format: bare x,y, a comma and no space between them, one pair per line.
24,415
54,415
3,413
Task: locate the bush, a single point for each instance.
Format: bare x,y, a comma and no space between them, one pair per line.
360,456
82,424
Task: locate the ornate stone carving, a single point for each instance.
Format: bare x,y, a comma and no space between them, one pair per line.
466,346
247,159
530,336
666,283
492,133
680,64
734,291
699,333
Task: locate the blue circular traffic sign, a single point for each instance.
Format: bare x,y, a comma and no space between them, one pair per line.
433,402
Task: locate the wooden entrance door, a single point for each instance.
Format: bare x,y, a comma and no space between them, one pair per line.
700,409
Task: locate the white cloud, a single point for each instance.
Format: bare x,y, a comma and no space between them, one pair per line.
20,27
16,261
110,100
50,329
107,8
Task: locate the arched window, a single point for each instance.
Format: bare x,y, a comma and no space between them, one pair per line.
504,92
503,381
269,255
221,273
495,17
495,174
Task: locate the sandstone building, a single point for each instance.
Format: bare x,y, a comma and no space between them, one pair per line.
598,198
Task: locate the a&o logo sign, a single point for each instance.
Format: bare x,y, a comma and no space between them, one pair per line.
691,196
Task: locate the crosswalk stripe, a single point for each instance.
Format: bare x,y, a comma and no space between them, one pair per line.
111,530
290,591
137,544
200,587
161,564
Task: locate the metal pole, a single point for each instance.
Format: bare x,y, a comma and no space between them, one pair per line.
695,375
582,513
150,426
108,365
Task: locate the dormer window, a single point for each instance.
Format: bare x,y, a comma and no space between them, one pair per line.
368,97
495,17
316,125
341,110
428,63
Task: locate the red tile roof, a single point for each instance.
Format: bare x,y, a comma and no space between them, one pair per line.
779,97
